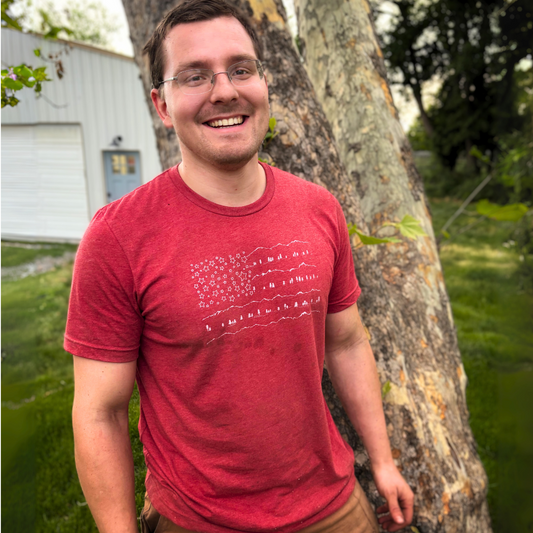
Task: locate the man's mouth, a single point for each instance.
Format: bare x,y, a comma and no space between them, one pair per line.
226,122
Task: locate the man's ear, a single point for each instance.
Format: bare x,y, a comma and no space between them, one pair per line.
161,108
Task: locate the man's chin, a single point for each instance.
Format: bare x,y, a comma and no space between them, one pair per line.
232,161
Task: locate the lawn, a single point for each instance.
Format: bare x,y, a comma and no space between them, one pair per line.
493,310
41,491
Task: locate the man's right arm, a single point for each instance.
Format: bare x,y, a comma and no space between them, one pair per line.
103,453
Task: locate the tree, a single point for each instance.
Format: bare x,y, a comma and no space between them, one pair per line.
87,22
15,78
473,47
405,306
412,330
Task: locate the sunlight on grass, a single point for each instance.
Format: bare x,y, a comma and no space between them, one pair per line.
494,320
37,393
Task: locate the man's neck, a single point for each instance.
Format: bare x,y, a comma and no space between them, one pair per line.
229,187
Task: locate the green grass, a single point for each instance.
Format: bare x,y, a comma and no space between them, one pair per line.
493,314
41,491
15,255
494,317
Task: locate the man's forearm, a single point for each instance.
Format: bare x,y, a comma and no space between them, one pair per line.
355,379
104,462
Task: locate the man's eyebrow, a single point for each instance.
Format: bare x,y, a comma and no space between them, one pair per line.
206,64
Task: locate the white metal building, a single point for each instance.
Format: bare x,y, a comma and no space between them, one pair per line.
87,141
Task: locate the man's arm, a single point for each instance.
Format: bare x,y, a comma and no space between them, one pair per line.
102,445
352,370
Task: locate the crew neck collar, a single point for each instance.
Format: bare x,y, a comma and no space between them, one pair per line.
225,210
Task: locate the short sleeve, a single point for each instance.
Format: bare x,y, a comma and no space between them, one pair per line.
345,288
104,321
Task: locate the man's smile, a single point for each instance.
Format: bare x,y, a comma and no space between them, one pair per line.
226,122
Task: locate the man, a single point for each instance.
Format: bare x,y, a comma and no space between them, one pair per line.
221,286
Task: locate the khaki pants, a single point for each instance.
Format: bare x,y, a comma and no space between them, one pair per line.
355,516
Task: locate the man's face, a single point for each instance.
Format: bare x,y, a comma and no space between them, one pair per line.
216,45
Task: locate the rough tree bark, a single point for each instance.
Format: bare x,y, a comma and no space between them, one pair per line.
143,17
403,328
407,312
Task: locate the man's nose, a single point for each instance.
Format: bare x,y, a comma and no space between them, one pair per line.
223,89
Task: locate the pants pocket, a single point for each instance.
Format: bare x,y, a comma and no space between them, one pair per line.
149,517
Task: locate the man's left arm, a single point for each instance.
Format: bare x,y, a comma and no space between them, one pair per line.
352,369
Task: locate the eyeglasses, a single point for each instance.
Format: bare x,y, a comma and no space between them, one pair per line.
199,81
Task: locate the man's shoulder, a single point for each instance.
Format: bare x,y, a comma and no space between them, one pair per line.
301,189
141,203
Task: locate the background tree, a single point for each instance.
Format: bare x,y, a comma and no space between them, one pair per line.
405,306
88,22
473,47
412,330
80,22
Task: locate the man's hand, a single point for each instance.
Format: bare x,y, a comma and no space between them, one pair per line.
398,511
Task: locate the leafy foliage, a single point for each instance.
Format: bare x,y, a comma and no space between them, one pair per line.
510,212
82,22
473,48
408,227
88,22
16,78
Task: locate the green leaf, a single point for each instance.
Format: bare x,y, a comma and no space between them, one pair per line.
352,228
14,85
409,227
369,240
25,71
415,529
5,72
272,124
477,154
9,21
445,234
509,212
385,389
37,52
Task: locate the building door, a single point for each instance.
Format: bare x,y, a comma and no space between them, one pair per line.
122,173
44,190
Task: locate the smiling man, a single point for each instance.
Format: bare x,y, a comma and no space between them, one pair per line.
222,286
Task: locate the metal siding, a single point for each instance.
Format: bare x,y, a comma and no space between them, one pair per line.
101,91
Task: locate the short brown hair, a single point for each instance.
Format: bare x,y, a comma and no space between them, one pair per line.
192,11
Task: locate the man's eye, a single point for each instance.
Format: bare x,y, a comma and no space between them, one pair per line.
194,79
240,73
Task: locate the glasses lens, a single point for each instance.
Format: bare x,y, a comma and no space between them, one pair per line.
195,81
245,72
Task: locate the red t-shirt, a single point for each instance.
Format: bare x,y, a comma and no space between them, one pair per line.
224,310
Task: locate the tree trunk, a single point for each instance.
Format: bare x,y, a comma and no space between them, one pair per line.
143,17
417,400
426,123
405,304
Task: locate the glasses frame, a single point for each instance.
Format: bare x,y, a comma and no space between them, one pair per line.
214,74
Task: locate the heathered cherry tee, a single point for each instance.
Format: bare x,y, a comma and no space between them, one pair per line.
224,310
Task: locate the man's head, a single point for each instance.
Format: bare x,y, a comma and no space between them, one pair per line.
223,125
186,12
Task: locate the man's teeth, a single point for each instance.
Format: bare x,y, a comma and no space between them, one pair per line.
226,122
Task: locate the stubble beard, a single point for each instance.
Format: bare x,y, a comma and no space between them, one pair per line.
226,159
